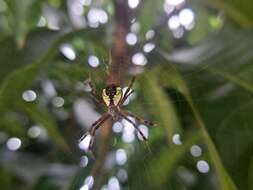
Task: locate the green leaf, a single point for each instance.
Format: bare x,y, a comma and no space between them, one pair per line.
235,131
178,83
23,78
148,18
44,118
154,94
227,55
37,44
235,10
161,168
22,16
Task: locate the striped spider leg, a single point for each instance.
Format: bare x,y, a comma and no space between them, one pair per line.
113,98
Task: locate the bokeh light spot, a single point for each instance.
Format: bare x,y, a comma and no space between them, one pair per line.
203,166
186,17
121,156
93,61
13,143
117,127
29,95
139,59
176,139
68,51
131,38
113,184
196,151
133,3
148,47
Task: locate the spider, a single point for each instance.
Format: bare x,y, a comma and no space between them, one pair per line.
113,98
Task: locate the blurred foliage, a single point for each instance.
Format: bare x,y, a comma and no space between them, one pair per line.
198,86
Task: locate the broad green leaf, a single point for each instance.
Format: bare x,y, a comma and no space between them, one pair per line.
235,131
236,10
224,180
37,44
161,169
148,18
43,118
22,17
157,100
250,174
23,78
227,55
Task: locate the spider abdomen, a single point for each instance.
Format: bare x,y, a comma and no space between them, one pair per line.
112,95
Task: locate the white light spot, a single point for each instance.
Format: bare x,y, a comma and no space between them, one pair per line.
176,139
68,51
29,95
178,33
131,38
131,97
76,8
103,18
168,8
117,127
84,161
174,2
190,26
203,166
148,47
144,130
48,88
84,144
127,101
174,22
196,151
93,61
128,131
93,25
37,132
96,16
121,156
86,2
128,137
139,59
113,184
135,27
186,17
149,34
89,181
93,16
42,22
58,102
133,3
84,187
34,131
13,143
122,175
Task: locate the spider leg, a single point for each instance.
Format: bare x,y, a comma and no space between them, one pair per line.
125,97
94,127
135,126
128,90
139,119
93,92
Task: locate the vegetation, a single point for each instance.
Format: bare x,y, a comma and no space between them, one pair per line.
194,81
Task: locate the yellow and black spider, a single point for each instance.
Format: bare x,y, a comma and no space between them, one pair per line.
113,98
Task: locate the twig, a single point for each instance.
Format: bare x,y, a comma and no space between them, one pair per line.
116,76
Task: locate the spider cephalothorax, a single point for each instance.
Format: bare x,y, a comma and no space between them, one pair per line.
113,98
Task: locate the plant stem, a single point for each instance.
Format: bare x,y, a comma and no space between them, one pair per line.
116,76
